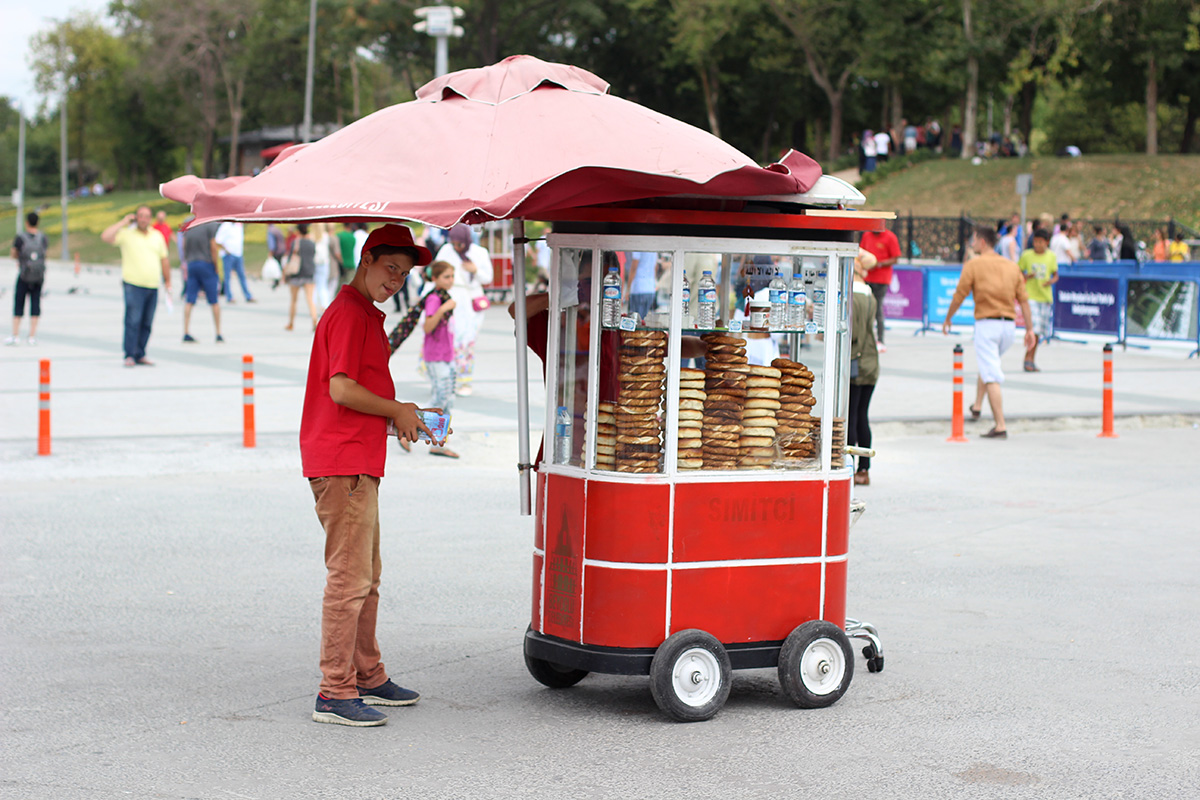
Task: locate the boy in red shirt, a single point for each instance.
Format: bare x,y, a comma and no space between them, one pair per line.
348,401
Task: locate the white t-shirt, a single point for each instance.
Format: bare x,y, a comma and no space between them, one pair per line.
1060,245
868,144
231,237
882,143
360,238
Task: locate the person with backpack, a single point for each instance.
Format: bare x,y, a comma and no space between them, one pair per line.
29,250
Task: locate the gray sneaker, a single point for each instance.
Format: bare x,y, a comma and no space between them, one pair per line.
352,712
388,694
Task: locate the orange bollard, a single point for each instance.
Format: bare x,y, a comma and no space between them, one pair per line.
248,401
956,424
1106,431
44,408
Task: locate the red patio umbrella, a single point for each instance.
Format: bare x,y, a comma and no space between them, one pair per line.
511,140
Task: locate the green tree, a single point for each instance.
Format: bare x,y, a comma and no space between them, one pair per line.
82,55
829,35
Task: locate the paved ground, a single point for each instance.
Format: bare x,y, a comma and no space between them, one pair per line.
159,595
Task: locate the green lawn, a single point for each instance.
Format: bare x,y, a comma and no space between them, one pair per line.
1091,187
87,217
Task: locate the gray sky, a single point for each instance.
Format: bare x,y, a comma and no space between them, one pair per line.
22,20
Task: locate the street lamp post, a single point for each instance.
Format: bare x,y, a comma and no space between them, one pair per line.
438,22
62,167
19,194
306,130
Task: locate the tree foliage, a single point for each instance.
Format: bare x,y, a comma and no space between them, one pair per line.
161,87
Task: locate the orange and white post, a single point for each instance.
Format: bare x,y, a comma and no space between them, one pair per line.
956,424
248,401
1106,431
44,408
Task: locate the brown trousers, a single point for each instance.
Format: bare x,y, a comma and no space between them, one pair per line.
348,508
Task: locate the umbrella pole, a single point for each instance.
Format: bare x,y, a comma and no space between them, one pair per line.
523,465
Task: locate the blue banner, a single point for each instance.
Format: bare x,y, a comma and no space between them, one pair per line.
1087,305
939,291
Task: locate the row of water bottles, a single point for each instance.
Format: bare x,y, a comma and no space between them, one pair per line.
789,302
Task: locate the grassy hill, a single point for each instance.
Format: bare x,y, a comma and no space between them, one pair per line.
1091,187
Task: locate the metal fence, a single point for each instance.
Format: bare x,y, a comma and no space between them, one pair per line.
942,238
947,238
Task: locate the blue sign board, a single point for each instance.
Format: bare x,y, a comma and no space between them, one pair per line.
1087,305
939,291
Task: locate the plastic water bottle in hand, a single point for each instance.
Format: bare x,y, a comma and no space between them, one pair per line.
797,303
610,307
778,292
706,313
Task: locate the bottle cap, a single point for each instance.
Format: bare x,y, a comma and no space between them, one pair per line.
708,272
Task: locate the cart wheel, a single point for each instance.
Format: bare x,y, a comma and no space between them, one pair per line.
816,664
690,676
553,675
869,652
875,664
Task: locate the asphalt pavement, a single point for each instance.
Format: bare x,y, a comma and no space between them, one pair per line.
160,591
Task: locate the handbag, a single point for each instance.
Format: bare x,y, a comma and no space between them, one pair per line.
292,266
480,303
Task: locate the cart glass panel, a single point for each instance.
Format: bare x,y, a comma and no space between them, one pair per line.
636,314
572,355
762,351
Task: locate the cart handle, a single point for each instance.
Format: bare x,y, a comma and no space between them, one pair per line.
860,452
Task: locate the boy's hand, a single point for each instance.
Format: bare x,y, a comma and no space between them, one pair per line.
408,422
449,431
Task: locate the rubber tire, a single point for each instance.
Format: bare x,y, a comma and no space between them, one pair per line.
791,656
662,678
553,675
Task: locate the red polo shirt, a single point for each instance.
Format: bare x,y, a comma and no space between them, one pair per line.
335,440
883,245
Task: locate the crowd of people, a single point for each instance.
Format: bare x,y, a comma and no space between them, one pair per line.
876,147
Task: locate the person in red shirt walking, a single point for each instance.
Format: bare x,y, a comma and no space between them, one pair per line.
348,400
886,248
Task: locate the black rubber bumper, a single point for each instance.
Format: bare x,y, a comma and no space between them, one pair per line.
635,660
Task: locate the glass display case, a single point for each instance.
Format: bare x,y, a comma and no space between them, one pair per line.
686,356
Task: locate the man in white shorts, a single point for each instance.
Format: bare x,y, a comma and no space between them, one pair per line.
997,285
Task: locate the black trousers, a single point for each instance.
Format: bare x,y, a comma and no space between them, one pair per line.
880,291
859,433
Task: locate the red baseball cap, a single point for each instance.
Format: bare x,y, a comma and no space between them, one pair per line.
397,236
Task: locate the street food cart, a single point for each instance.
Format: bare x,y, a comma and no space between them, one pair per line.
691,520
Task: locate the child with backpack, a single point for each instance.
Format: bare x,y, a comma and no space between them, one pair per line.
29,250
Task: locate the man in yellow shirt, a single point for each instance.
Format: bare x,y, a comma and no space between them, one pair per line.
144,263
998,286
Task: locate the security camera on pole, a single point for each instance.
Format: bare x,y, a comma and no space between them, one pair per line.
438,22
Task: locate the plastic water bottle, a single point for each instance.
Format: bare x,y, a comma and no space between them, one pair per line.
610,307
818,300
562,436
777,290
686,297
797,303
706,312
